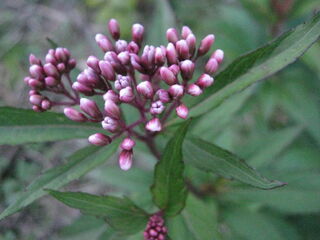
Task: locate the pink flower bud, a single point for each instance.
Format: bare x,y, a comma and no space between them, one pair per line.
61,67
121,45
122,82
46,104
111,95
145,89
176,91
99,139
112,109
185,32
26,80
33,92
92,77
154,125
93,62
182,111
155,230
104,42
112,58
125,159
50,58
136,64
71,63
36,72
79,87
147,58
204,81
33,60
175,69
168,76
124,57
90,107
159,57
61,55
51,70
114,28
128,144
182,49
74,115
35,99
34,83
194,90
51,81
187,69
107,70
172,35
171,54
133,47
218,55
211,66
110,124
163,96
191,41
37,108
157,107
126,95
137,33
205,44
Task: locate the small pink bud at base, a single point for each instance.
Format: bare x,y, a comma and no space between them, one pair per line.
137,33
187,69
145,89
90,107
154,125
211,66
125,160
176,91
168,76
128,144
107,70
93,62
126,95
74,115
194,90
185,32
111,109
99,139
171,54
204,81
205,45
191,41
172,35
182,111
33,60
114,28
218,55
182,49
104,42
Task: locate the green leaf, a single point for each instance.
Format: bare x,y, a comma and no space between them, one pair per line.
52,43
18,126
169,191
76,166
163,18
257,65
212,158
121,213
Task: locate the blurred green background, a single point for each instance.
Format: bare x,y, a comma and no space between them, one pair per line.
274,124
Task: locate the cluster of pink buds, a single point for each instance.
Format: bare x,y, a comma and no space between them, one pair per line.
151,79
155,229
48,77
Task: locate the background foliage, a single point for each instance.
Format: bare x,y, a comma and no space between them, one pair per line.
274,124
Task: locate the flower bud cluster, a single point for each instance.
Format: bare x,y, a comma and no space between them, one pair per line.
47,76
155,230
165,75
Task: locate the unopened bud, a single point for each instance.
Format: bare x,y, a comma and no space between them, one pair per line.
128,144
121,45
194,90
104,42
171,54
34,83
126,95
133,47
185,32
51,70
74,115
61,67
81,88
112,109
168,76
61,55
191,41
122,82
114,28
218,55
182,49
145,89
36,72
175,69
187,69
157,107
137,33
182,111
205,44
125,159
124,57
176,91
33,60
159,57
93,62
90,107
211,66
99,139
204,81
163,96
51,81
107,70
46,104
154,125
36,99
110,124
172,35
111,95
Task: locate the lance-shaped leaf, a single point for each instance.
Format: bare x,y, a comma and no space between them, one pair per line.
169,191
120,213
209,157
19,126
257,65
76,166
